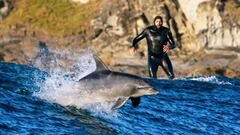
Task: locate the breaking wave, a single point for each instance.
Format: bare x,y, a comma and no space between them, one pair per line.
209,79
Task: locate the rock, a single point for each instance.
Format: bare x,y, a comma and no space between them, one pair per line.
1,57
213,28
81,1
5,7
112,20
190,7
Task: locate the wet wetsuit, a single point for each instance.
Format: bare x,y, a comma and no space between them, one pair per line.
156,38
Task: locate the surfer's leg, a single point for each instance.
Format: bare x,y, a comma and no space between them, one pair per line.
153,71
152,68
167,67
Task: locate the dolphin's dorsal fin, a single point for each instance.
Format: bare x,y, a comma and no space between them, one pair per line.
120,102
99,64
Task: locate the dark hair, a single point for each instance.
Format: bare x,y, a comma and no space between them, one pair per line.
157,17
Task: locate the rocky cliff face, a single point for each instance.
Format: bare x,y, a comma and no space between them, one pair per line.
197,26
213,26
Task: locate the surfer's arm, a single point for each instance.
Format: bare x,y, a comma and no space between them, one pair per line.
171,42
138,38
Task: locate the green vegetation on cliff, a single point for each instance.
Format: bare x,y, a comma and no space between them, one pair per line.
57,17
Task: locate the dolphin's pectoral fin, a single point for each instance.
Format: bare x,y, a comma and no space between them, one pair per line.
135,101
120,102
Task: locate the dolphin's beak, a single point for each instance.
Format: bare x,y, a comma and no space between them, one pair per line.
149,90
143,87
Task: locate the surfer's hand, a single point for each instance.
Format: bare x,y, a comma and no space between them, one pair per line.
166,48
133,51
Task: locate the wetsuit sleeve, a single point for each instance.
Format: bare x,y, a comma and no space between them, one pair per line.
138,38
170,40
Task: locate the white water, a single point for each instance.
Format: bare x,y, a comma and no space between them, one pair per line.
211,79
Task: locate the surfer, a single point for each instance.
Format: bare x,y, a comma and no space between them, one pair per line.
159,42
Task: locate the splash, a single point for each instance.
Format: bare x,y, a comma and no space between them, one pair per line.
74,64
211,79
62,86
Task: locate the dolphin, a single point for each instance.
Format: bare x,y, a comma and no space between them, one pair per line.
112,86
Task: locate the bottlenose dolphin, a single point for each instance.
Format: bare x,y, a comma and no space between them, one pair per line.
111,86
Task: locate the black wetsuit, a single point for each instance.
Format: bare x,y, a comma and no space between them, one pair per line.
156,38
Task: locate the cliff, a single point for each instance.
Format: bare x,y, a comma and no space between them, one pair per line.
206,32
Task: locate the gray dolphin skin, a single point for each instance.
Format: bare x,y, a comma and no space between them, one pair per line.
110,86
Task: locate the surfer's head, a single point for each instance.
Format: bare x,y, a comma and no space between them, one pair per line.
158,21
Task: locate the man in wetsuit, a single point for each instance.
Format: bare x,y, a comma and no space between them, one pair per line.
159,42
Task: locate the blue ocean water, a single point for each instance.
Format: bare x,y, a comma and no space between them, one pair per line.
34,102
